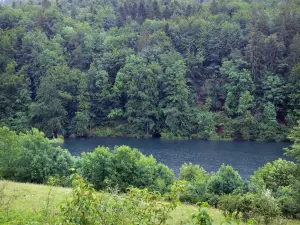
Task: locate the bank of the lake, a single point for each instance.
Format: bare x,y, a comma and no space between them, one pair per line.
246,157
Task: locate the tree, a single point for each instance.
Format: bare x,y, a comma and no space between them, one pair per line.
280,173
294,95
174,94
295,52
14,97
294,150
80,123
245,102
30,157
48,111
239,88
62,93
10,153
156,10
256,53
225,181
138,83
142,13
99,91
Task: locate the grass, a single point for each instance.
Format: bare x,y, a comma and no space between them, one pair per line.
36,198
32,196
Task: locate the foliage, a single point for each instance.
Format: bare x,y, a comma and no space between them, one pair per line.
262,207
294,136
190,172
136,207
202,218
280,173
225,181
124,167
30,157
151,68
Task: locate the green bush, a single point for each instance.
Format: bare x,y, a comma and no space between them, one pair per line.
202,217
30,157
262,207
195,191
288,199
229,204
225,181
197,186
280,173
171,136
190,172
135,207
266,208
124,167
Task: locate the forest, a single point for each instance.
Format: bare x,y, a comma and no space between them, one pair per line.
217,70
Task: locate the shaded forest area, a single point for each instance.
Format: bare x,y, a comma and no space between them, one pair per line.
177,69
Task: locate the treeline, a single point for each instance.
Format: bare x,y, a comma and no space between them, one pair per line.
176,69
273,191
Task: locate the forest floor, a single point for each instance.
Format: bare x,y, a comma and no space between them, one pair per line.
35,198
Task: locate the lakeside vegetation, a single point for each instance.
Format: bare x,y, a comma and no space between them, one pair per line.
40,204
132,184
173,69
218,69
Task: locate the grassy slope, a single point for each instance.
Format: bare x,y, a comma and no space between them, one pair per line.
35,197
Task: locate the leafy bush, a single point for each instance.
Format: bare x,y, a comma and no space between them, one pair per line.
288,199
225,181
202,217
266,207
190,172
280,173
229,204
170,136
124,167
30,157
135,207
197,186
103,132
195,192
262,207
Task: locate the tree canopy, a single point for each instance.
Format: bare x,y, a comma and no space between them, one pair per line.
176,69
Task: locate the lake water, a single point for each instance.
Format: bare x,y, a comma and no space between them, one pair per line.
246,157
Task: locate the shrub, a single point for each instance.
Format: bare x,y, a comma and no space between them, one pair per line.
124,167
195,192
288,199
260,206
225,181
190,172
30,157
280,173
97,166
136,207
266,207
229,204
10,153
202,217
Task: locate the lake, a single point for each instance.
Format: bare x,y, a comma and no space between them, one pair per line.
246,157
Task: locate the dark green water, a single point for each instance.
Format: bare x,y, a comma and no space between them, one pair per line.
245,157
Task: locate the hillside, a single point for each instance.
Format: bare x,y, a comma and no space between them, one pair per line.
162,68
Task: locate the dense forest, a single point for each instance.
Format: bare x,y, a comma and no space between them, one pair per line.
218,69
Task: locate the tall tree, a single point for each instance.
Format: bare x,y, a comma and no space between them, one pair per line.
137,80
